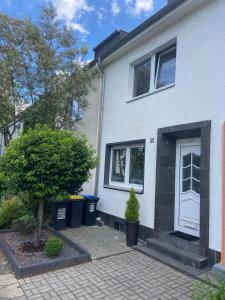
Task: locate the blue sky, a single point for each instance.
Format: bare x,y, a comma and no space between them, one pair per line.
93,20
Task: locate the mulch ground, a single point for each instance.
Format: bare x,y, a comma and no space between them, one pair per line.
27,256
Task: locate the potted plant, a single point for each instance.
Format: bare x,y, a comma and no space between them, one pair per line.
132,219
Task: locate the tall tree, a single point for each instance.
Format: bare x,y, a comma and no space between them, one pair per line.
41,65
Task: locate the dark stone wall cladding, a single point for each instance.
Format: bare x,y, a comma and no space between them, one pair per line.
146,233
110,220
165,177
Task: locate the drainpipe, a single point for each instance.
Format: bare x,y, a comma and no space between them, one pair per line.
99,135
223,199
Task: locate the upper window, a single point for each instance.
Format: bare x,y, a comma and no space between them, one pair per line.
166,66
127,166
157,72
142,78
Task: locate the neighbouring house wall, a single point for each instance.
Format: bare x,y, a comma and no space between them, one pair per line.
89,125
199,95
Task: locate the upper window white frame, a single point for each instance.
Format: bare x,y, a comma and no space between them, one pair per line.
126,183
165,53
154,57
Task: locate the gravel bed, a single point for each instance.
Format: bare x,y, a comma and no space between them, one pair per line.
15,239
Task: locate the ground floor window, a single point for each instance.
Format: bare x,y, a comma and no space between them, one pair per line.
127,166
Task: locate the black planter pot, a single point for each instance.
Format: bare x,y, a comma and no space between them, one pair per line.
132,231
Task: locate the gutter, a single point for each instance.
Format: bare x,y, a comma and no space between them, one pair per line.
102,93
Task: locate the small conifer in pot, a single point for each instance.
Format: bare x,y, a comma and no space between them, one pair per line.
132,219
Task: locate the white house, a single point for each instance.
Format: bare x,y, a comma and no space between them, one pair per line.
163,103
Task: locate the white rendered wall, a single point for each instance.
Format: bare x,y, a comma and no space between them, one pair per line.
89,125
199,95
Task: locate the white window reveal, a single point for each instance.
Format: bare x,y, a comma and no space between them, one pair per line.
155,73
127,166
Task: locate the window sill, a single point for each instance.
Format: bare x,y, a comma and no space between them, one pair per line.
123,189
151,93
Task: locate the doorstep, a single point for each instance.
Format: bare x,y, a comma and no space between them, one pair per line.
200,274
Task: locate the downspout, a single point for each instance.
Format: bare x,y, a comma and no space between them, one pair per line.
223,199
102,92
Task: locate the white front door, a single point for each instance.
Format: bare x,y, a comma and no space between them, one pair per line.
187,186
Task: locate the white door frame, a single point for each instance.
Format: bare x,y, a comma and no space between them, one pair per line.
177,226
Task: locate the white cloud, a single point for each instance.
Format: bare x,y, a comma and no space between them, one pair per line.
68,10
115,8
101,15
136,7
78,27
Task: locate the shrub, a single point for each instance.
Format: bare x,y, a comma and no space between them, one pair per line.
46,164
132,208
25,224
53,247
203,291
11,210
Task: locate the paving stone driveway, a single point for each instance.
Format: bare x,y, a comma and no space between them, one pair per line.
123,275
99,241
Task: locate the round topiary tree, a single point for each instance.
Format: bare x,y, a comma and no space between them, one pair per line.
46,164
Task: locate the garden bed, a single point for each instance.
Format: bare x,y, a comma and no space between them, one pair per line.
26,261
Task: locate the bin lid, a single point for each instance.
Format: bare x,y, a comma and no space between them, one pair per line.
90,197
76,197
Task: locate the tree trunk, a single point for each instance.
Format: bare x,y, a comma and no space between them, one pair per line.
7,137
37,233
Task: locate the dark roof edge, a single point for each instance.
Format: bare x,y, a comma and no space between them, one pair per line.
109,38
148,23
91,63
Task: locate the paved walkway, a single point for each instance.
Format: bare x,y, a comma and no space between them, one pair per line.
126,274
100,242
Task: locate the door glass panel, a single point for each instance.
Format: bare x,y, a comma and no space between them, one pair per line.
186,172
195,173
118,165
186,185
196,186
186,160
196,160
191,172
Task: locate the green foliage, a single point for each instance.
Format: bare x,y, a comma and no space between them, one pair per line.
41,64
47,163
132,208
206,291
53,247
11,210
25,224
